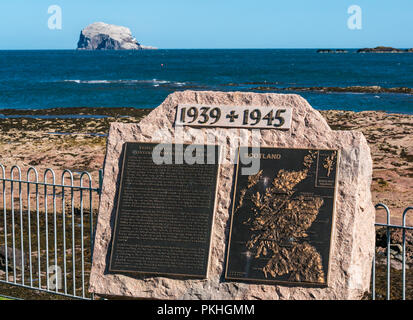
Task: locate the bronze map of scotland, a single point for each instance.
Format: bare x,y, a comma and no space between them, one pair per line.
282,217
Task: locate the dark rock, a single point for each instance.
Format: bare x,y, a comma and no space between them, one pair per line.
381,49
397,248
398,257
396,244
18,258
407,153
325,51
358,89
331,51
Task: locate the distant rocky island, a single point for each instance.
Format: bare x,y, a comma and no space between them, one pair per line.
103,36
379,49
331,51
383,50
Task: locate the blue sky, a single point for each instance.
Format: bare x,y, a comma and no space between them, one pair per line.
212,23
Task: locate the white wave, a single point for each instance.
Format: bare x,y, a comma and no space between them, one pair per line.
154,82
76,81
88,81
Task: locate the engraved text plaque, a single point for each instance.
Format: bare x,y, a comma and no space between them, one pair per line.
252,117
165,212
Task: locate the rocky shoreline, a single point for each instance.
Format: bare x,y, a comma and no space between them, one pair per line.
274,87
350,89
75,138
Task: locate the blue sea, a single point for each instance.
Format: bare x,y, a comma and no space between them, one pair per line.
142,79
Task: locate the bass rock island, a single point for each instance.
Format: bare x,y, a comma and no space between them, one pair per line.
103,36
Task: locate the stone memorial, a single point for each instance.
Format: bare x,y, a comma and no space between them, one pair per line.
281,210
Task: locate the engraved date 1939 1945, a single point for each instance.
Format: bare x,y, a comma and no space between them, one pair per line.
229,116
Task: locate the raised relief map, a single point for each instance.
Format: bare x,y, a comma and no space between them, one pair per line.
282,216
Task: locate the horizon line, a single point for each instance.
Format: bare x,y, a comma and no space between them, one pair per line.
269,48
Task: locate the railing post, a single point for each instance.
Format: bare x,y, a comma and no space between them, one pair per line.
64,221
404,253
373,277
381,205
3,171
29,220
46,219
100,181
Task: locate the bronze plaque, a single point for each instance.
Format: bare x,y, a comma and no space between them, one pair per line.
165,211
282,217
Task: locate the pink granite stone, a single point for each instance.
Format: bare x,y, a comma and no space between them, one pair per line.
354,234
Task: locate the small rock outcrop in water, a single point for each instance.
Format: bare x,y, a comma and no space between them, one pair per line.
103,36
332,51
383,50
357,89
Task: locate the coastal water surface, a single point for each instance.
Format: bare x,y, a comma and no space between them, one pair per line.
142,79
